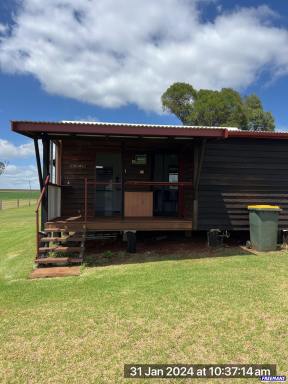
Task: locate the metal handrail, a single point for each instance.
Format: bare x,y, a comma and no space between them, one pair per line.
87,182
37,214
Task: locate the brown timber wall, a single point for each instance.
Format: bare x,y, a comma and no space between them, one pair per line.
188,169
137,172
78,162
239,172
79,158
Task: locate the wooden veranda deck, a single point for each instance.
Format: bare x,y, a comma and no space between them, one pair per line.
120,224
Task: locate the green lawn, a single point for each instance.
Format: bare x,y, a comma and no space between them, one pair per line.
20,194
83,329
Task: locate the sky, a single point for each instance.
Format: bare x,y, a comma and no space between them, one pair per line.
107,60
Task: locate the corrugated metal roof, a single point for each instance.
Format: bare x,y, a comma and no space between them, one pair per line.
74,127
147,125
105,123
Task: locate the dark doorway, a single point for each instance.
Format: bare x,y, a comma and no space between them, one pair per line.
166,168
108,197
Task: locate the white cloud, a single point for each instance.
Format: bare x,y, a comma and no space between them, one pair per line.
112,53
87,118
16,177
10,151
3,28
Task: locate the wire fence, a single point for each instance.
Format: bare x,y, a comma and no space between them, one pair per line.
17,203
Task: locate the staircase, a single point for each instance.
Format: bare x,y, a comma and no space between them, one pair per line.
60,248
57,246
63,249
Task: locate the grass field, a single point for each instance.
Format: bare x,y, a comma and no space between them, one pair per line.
83,329
20,194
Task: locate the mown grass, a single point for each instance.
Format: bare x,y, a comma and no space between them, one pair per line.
83,329
21,194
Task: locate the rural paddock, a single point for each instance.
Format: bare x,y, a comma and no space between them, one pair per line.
17,203
17,198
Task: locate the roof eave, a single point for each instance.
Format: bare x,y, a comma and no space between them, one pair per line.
258,135
37,129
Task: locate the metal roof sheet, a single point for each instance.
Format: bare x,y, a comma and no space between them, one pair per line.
105,123
36,128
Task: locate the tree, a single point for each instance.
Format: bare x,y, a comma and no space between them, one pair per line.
257,118
3,165
179,99
216,108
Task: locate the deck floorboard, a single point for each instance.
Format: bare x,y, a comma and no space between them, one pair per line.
122,224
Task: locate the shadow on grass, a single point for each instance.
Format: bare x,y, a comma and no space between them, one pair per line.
160,247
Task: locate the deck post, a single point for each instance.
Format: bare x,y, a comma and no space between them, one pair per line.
122,181
44,204
181,212
38,162
198,162
85,201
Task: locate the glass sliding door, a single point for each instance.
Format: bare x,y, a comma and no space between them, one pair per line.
108,196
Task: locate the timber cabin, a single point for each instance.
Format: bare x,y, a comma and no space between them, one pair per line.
107,177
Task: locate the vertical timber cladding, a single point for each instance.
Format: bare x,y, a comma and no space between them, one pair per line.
239,172
188,169
78,162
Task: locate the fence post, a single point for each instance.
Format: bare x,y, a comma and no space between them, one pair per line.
18,203
0,205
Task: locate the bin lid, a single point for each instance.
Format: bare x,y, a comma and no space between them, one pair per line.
264,207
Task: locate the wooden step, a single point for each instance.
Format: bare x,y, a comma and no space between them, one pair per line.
59,260
59,229
54,230
52,260
55,272
62,227
58,248
62,239
49,239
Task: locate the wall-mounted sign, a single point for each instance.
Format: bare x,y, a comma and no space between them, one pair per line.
77,166
140,160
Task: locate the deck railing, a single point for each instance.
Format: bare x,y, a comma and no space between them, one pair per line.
37,214
131,183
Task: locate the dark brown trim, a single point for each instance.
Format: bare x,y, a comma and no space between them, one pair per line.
122,180
44,205
31,128
180,188
38,162
258,135
58,165
37,128
199,154
202,152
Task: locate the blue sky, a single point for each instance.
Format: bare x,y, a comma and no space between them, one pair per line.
102,60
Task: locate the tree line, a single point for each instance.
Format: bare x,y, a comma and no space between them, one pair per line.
216,108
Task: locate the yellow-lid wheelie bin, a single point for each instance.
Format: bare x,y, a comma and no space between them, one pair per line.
263,220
